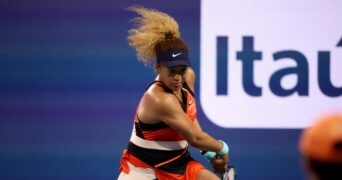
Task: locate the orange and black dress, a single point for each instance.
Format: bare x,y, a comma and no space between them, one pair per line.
161,148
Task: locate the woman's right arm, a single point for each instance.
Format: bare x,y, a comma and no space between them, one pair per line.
168,110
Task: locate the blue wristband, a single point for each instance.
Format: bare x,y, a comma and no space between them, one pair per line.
209,155
225,148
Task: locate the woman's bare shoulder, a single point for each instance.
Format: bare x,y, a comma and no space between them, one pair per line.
155,103
158,97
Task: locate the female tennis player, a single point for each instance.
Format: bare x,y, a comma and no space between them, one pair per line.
165,122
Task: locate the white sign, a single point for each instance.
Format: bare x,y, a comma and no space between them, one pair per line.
270,64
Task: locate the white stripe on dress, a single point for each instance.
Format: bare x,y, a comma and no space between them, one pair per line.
158,145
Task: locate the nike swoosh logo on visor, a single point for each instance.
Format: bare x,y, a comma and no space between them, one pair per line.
175,55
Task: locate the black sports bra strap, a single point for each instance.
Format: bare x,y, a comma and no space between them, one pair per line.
187,87
160,83
168,90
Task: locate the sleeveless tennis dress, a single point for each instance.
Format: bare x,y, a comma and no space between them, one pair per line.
156,151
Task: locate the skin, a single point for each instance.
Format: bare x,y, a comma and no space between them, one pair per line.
157,105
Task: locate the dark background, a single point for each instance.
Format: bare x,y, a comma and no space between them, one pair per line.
69,86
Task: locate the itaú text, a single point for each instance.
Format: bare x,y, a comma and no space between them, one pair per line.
248,56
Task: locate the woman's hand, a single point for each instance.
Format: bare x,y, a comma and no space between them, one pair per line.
219,163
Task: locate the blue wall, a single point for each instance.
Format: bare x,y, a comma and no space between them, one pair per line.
69,86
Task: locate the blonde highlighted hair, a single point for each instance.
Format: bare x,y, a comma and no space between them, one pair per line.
155,32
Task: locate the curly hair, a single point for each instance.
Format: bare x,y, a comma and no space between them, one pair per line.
155,32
